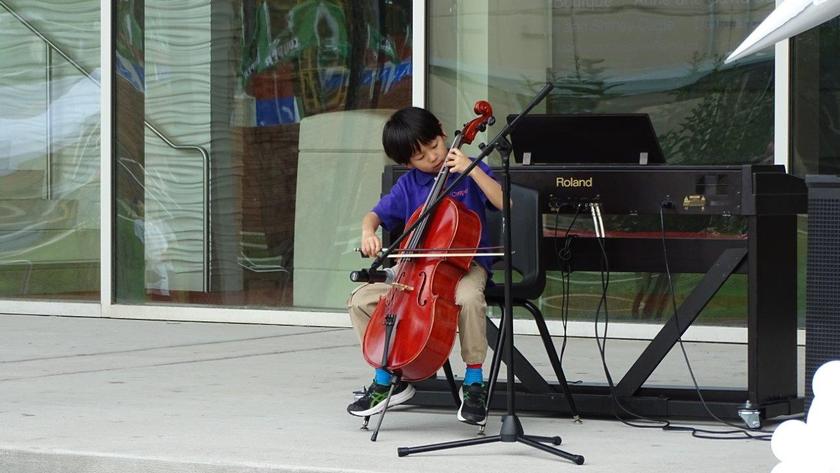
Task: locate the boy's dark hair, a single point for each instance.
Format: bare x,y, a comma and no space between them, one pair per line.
406,130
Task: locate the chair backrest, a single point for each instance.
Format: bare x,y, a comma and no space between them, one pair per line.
526,238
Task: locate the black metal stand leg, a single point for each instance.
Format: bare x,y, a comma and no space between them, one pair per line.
394,381
450,378
405,451
528,440
390,323
495,366
553,358
552,440
513,434
499,354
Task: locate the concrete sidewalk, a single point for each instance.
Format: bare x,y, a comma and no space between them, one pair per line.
99,395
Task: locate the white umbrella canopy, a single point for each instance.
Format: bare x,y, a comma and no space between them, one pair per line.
788,19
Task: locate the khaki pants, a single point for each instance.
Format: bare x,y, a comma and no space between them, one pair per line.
471,322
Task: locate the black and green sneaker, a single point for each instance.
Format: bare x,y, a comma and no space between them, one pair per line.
371,401
473,401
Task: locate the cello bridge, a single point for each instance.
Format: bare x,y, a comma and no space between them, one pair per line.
402,287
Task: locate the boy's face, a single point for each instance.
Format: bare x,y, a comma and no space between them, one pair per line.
430,157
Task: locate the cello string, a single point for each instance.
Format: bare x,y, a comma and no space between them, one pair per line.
443,255
430,250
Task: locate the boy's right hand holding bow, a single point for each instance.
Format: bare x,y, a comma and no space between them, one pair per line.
371,244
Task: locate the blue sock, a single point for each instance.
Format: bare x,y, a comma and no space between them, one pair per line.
473,376
382,376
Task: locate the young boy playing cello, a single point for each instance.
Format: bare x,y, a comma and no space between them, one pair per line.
414,137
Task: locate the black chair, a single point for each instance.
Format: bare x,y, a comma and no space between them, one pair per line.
526,241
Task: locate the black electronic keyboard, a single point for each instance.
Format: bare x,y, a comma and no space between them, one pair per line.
693,190
634,190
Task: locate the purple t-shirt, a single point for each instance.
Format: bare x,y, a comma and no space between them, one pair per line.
410,192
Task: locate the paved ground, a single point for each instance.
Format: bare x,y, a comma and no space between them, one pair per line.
97,395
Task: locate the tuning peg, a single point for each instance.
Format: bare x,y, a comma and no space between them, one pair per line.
481,146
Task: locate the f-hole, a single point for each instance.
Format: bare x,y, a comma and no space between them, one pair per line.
420,291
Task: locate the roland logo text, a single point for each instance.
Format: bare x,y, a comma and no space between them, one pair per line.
573,182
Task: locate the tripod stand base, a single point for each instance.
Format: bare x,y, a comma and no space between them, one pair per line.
511,431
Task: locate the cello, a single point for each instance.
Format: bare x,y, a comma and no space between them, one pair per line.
412,330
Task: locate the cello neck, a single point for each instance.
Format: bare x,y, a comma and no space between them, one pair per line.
440,180
434,193
463,136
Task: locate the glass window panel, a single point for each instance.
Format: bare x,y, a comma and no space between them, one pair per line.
49,149
248,145
815,115
815,101
660,57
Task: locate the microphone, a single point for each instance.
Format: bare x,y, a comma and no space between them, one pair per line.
386,275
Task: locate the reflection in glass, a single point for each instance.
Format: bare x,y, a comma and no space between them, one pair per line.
660,57
49,150
665,58
247,145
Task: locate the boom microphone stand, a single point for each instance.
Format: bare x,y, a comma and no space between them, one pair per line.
511,429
